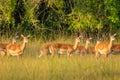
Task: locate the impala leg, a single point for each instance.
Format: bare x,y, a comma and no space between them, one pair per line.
68,54
58,55
82,53
8,54
53,54
18,56
41,53
96,54
106,55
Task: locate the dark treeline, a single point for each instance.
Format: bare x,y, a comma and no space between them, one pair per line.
51,18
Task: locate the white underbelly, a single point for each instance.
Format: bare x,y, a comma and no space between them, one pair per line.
62,51
14,53
101,51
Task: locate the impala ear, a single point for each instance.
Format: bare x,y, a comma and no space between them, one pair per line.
28,36
22,35
80,36
114,34
90,38
74,36
16,37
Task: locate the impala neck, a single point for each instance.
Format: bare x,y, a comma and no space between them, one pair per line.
86,45
23,45
110,44
75,45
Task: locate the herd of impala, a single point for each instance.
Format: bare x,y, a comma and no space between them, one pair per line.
100,47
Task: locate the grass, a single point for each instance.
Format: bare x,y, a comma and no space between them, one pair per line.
47,68
30,67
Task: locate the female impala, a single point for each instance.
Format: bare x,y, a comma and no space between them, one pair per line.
17,49
58,47
44,50
3,46
83,49
104,48
64,48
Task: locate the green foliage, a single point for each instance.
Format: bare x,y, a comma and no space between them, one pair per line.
6,9
50,17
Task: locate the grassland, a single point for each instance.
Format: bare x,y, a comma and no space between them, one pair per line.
30,67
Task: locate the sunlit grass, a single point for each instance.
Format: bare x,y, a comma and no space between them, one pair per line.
63,68
30,67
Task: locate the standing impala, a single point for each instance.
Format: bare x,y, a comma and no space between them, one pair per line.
59,48
3,46
17,49
64,48
44,50
83,49
104,48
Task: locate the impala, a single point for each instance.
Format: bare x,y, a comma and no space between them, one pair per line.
17,49
116,48
104,48
64,48
3,46
59,48
44,50
91,50
83,49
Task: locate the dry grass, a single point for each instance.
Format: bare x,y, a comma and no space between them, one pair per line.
30,67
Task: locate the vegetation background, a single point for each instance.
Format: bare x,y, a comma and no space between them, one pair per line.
59,20
50,19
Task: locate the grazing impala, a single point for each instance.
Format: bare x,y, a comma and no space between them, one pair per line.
17,49
3,46
104,48
83,49
64,48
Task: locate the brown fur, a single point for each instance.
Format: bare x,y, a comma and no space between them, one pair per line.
3,45
83,49
44,50
116,48
16,49
91,50
2,52
58,47
104,48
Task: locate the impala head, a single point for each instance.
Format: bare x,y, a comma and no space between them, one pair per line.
113,37
25,38
98,41
78,38
14,39
88,40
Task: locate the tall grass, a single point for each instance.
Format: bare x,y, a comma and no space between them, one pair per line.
30,67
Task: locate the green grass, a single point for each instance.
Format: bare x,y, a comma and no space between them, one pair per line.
30,67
